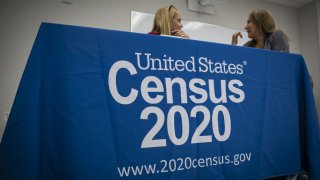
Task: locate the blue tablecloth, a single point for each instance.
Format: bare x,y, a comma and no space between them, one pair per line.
103,104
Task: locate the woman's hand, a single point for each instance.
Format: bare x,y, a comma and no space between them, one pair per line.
235,36
179,33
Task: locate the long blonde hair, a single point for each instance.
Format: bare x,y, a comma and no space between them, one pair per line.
163,20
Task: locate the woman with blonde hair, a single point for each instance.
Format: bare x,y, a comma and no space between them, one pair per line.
262,31
167,21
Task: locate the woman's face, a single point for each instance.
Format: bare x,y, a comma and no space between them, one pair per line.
176,23
252,29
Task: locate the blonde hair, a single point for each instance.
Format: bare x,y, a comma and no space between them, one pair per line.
263,19
163,20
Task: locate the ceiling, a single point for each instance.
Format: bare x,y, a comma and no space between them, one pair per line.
291,3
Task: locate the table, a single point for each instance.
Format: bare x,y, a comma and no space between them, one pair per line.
103,104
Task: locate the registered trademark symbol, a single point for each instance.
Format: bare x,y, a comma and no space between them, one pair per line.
245,62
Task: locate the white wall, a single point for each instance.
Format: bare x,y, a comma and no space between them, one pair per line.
20,20
310,44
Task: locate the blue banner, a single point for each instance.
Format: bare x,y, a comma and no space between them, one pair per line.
102,104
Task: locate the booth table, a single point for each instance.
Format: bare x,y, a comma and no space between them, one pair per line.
103,104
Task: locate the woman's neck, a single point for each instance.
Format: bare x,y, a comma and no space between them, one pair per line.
259,41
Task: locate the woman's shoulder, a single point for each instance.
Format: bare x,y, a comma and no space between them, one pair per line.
277,33
276,36
278,41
